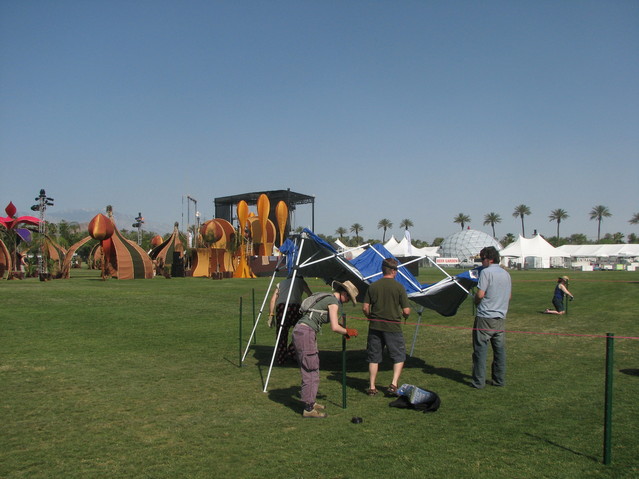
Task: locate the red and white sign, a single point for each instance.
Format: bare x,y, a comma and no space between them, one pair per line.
447,260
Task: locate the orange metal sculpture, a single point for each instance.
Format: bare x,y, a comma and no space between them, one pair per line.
121,257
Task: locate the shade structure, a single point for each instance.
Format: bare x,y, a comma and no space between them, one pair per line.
318,258
169,255
54,251
66,264
309,255
5,259
12,224
132,262
218,256
123,258
262,240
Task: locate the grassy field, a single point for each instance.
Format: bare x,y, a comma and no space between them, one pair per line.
132,379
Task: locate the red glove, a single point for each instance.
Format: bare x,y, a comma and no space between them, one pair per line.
350,332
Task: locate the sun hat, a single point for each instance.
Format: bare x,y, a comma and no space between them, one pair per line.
565,278
349,288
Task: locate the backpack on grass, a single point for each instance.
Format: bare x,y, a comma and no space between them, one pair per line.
412,397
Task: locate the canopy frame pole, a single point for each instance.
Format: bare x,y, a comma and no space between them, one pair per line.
452,278
419,320
334,255
259,314
279,326
297,267
418,286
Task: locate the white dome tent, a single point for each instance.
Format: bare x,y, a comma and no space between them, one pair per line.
465,245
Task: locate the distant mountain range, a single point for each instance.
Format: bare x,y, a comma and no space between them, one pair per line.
123,221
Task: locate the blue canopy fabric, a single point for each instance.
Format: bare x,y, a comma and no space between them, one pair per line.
318,258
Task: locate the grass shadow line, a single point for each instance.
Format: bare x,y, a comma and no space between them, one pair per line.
552,443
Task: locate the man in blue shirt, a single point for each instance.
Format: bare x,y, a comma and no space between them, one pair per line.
492,299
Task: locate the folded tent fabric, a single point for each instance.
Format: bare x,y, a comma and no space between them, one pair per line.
319,259
444,297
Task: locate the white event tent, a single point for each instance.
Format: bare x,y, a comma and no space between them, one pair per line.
533,252
399,249
404,248
600,250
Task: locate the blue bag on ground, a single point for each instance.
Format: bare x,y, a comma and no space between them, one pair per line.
412,397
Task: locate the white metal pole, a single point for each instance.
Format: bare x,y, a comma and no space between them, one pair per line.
279,332
259,314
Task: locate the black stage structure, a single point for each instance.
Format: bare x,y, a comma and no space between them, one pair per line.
226,206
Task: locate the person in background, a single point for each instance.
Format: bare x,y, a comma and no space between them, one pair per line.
385,304
561,291
326,310
492,298
298,287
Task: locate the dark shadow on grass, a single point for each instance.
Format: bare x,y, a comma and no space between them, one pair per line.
264,354
552,443
356,362
448,373
358,358
288,397
630,372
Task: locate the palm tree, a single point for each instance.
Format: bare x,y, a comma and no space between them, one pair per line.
386,224
506,240
356,228
635,219
491,219
462,219
598,213
558,215
520,212
578,238
406,223
341,231
617,238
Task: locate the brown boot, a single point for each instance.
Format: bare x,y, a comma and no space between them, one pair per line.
316,413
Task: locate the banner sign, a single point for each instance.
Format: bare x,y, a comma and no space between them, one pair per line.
447,260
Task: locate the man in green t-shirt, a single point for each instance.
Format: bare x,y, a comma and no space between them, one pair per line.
385,304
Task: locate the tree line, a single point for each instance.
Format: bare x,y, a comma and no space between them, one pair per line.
67,233
491,219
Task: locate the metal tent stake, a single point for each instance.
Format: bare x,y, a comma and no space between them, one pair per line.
343,364
240,331
419,320
610,352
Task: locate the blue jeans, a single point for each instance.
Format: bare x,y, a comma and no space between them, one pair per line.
489,330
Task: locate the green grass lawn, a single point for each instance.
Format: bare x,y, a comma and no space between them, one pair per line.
123,379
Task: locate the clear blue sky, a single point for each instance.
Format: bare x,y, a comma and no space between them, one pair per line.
380,109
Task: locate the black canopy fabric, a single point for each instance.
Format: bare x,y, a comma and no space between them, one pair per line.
312,256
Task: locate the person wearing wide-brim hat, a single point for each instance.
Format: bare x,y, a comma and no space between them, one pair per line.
325,310
561,291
